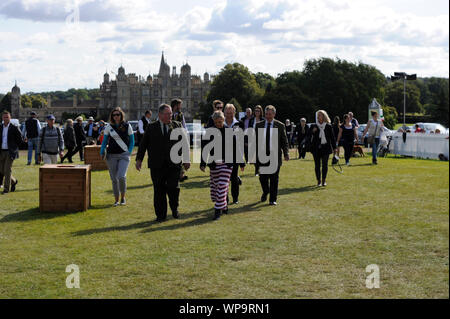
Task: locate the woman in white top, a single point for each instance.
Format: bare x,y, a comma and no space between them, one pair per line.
374,126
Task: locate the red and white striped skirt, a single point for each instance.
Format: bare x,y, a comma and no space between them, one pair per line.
219,181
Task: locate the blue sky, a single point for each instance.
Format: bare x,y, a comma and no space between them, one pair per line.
58,44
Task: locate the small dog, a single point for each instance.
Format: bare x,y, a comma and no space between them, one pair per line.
358,148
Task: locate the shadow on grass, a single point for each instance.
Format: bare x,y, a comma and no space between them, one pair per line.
32,214
203,218
26,190
354,165
113,228
200,184
286,191
110,191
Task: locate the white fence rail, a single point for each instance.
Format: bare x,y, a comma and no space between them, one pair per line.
420,145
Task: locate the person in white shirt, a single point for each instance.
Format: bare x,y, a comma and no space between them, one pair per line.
142,125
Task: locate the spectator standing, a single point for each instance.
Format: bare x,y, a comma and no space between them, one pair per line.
91,131
69,141
353,120
31,137
51,142
80,137
142,125
10,140
374,127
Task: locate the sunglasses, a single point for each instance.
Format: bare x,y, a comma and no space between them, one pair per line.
117,114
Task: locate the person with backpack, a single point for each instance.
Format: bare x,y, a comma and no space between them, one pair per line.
31,137
118,143
51,142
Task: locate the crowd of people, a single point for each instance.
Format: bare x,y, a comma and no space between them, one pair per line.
117,140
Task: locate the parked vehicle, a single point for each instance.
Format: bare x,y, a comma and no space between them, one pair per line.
430,127
194,128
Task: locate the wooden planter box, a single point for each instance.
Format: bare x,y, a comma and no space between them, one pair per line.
92,157
64,188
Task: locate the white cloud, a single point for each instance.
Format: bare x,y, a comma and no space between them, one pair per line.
267,36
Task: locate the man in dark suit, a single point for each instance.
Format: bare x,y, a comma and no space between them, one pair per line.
164,172
11,138
269,182
244,124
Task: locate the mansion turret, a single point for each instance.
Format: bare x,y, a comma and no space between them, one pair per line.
136,94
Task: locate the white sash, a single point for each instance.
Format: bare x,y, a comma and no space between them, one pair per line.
118,139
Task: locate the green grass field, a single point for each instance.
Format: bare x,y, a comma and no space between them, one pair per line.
315,244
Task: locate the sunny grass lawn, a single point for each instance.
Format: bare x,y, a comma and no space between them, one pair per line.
315,244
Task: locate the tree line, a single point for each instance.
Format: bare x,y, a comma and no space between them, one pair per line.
39,100
335,85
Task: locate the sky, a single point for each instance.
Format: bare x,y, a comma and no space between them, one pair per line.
48,45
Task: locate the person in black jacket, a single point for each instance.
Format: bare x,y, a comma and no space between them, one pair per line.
219,170
11,138
80,137
301,131
164,172
69,141
217,106
323,143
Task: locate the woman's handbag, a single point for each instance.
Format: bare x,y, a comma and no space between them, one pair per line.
371,138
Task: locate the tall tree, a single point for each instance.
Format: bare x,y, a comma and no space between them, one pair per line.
394,97
5,103
235,81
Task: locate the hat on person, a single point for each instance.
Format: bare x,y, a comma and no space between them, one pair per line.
51,117
90,118
79,118
303,120
32,113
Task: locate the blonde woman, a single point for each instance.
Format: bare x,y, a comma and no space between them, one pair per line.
323,143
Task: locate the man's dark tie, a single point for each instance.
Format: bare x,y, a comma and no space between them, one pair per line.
165,130
268,139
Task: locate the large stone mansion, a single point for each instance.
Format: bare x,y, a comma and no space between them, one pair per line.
134,94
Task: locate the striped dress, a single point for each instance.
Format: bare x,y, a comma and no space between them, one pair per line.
219,182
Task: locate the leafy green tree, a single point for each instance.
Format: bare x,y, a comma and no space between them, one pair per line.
25,101
339,86
390,116
236,104
439,111
5,103
290,102
394,97
235,81
37,101
265,80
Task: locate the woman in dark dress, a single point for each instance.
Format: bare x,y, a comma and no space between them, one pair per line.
323,143
69,141
346,137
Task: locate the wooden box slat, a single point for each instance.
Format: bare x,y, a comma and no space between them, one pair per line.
93,158
64,188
